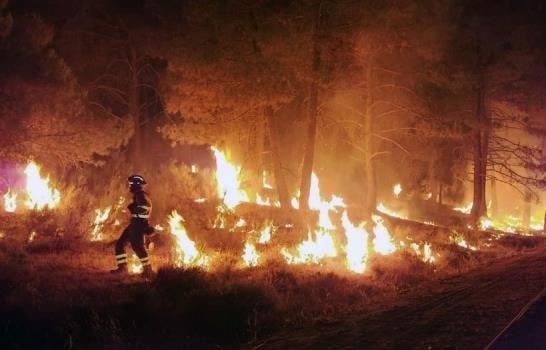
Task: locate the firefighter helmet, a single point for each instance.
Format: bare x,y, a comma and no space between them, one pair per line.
136,180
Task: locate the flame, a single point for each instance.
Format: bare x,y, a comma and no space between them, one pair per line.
428,196
220,221
200,200
461,242
158,227
134,266
250,255
2,234
315,202
320,244
424,252
10,201
466,209
186,251
240,223
396,190
356,249
262,201
32,236
383,242
312,250
39,193
265,234
266,184
486,223
294,201
227,176
100,218
383,208
194,169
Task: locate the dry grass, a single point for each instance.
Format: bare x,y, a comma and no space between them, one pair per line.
55,292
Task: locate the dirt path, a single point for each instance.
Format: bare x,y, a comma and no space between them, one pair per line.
463,312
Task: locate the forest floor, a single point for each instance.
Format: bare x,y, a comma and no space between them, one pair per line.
461,312
59,294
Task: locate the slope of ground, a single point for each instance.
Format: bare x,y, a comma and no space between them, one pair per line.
462,312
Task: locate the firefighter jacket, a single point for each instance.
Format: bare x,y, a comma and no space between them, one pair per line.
141,207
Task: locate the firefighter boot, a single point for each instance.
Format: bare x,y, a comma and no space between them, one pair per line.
121,270
147,271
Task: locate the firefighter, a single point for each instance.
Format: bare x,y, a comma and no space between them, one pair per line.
140,210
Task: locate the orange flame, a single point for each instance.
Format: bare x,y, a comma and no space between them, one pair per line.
39,193
10,201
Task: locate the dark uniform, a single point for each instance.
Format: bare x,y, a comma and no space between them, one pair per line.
140,210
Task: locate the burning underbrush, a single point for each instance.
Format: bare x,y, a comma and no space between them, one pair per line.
230,269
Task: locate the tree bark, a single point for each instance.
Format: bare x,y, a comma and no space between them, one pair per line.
280,182
432,183
494,198
481,146
526,219
309,153
370,201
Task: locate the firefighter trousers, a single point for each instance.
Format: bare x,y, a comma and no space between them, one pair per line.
133,234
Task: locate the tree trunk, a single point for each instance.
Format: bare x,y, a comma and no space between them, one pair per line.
256,149
134,110
481,141
370,201
432,183
309,153
280,183
526,219
494,198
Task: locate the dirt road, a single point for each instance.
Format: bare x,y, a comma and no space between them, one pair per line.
463,312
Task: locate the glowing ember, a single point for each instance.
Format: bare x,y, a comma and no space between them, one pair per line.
32,236
100,218
428,196
265,234
2,235
465,209
194,169
227,176
250,255
356,249
39,193
200,200
158,227
461,242
186,251
383,243
396,190
10,201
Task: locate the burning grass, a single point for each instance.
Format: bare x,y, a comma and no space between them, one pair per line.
229,270
55,291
